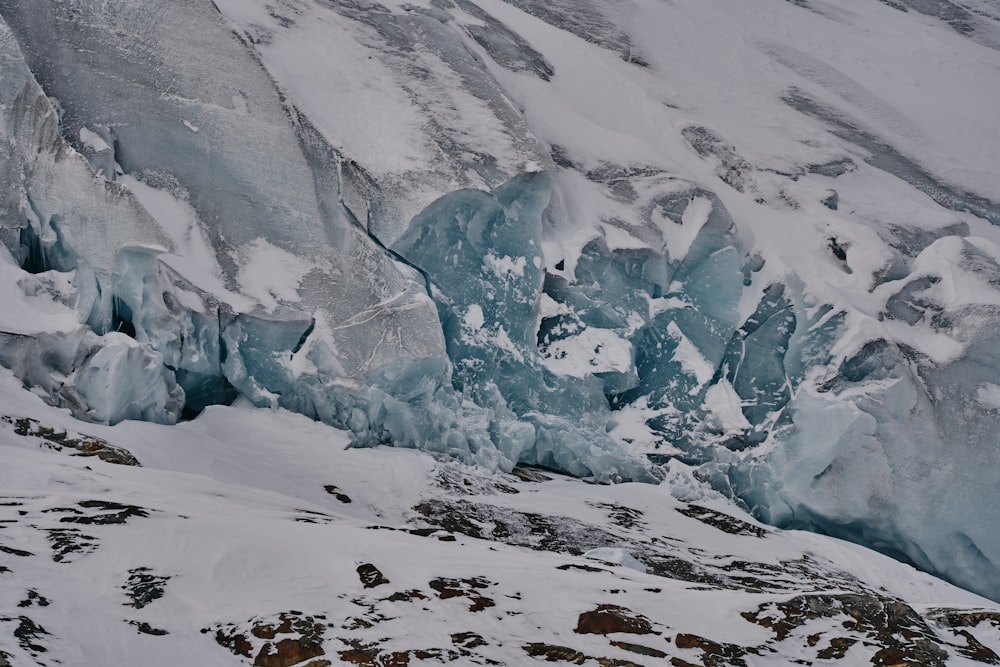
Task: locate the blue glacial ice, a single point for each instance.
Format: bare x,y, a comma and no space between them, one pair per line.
895,448
481,255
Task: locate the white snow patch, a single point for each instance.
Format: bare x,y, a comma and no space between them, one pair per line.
590,351
271,274
690,359
193,255
473,319
989,395
505,267
678,238
724,404
549,307
93,140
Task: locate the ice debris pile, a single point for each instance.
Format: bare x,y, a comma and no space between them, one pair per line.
424,223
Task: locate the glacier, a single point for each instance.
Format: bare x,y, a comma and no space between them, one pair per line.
574,235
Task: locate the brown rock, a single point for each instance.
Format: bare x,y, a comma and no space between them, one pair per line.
714,654
640,649
609,618
554,653
287,652
236,643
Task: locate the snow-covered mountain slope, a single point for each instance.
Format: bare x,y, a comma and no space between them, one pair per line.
610,238
255,537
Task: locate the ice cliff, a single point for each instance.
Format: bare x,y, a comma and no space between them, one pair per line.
620,240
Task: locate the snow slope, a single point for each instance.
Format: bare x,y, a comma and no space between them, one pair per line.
256,537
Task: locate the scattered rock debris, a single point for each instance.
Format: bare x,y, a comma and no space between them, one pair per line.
714,654
83,445
29,635
724,522
469,588
34,598
901,635
291,639
67,542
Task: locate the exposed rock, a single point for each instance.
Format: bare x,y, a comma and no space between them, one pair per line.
371,576
733,169
235,642
15,552
292,639
450,588
371,655
529,474
837,648
639,649
287,652
831,199
146,629
714,654
117,513
67,541
406,596
562,534
34,598
609,618
28,634
554,653
724,522
902,635
143,588
583,568
958,621
621,516
83,445
833,169
468,640
337,493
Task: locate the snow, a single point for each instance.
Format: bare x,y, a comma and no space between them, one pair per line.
689,357
506,266
989,395
93,140
592,351
22,313
473,319
616,557
270,274
724,404
193,255
678,239
239,524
